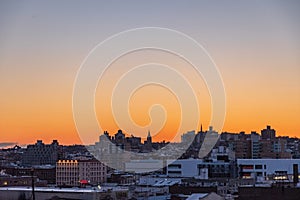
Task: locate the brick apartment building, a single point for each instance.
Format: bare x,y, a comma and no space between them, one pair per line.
249,146
75,172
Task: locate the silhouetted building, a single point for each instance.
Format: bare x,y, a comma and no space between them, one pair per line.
133,143
148,142
7,181
120,138
268,133
42,154
47,173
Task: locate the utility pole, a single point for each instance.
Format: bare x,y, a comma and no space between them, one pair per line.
32,183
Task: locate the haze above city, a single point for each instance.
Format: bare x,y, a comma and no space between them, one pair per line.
255,45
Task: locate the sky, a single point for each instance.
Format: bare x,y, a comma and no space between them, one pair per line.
255,45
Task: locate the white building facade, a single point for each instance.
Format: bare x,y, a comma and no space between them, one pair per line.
198,168
251,168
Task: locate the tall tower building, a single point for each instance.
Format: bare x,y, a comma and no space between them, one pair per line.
149,138
148,143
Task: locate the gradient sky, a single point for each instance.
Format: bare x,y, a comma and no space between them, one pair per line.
255,44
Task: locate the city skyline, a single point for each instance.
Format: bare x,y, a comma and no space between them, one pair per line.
150,99
255,46
4,145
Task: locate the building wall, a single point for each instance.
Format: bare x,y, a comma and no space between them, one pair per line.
273,193
70,172
183,168
94,171
242,148
268,133
266,148
193,168
140,166
42,154
265,167
67,173
47,173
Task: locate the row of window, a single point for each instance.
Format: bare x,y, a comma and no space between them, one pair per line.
77,169
254,166
214,166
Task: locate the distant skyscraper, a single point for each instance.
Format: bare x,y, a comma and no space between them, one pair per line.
148,142
149,138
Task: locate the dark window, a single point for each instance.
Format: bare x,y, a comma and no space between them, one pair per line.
258,166
174,172
175,166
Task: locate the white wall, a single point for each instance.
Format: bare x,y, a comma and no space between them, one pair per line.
272,165
140,166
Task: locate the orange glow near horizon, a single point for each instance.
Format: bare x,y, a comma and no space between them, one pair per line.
31,111
46,112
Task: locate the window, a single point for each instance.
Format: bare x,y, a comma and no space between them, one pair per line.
174,172
247,166
174,166
259,173
258,166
